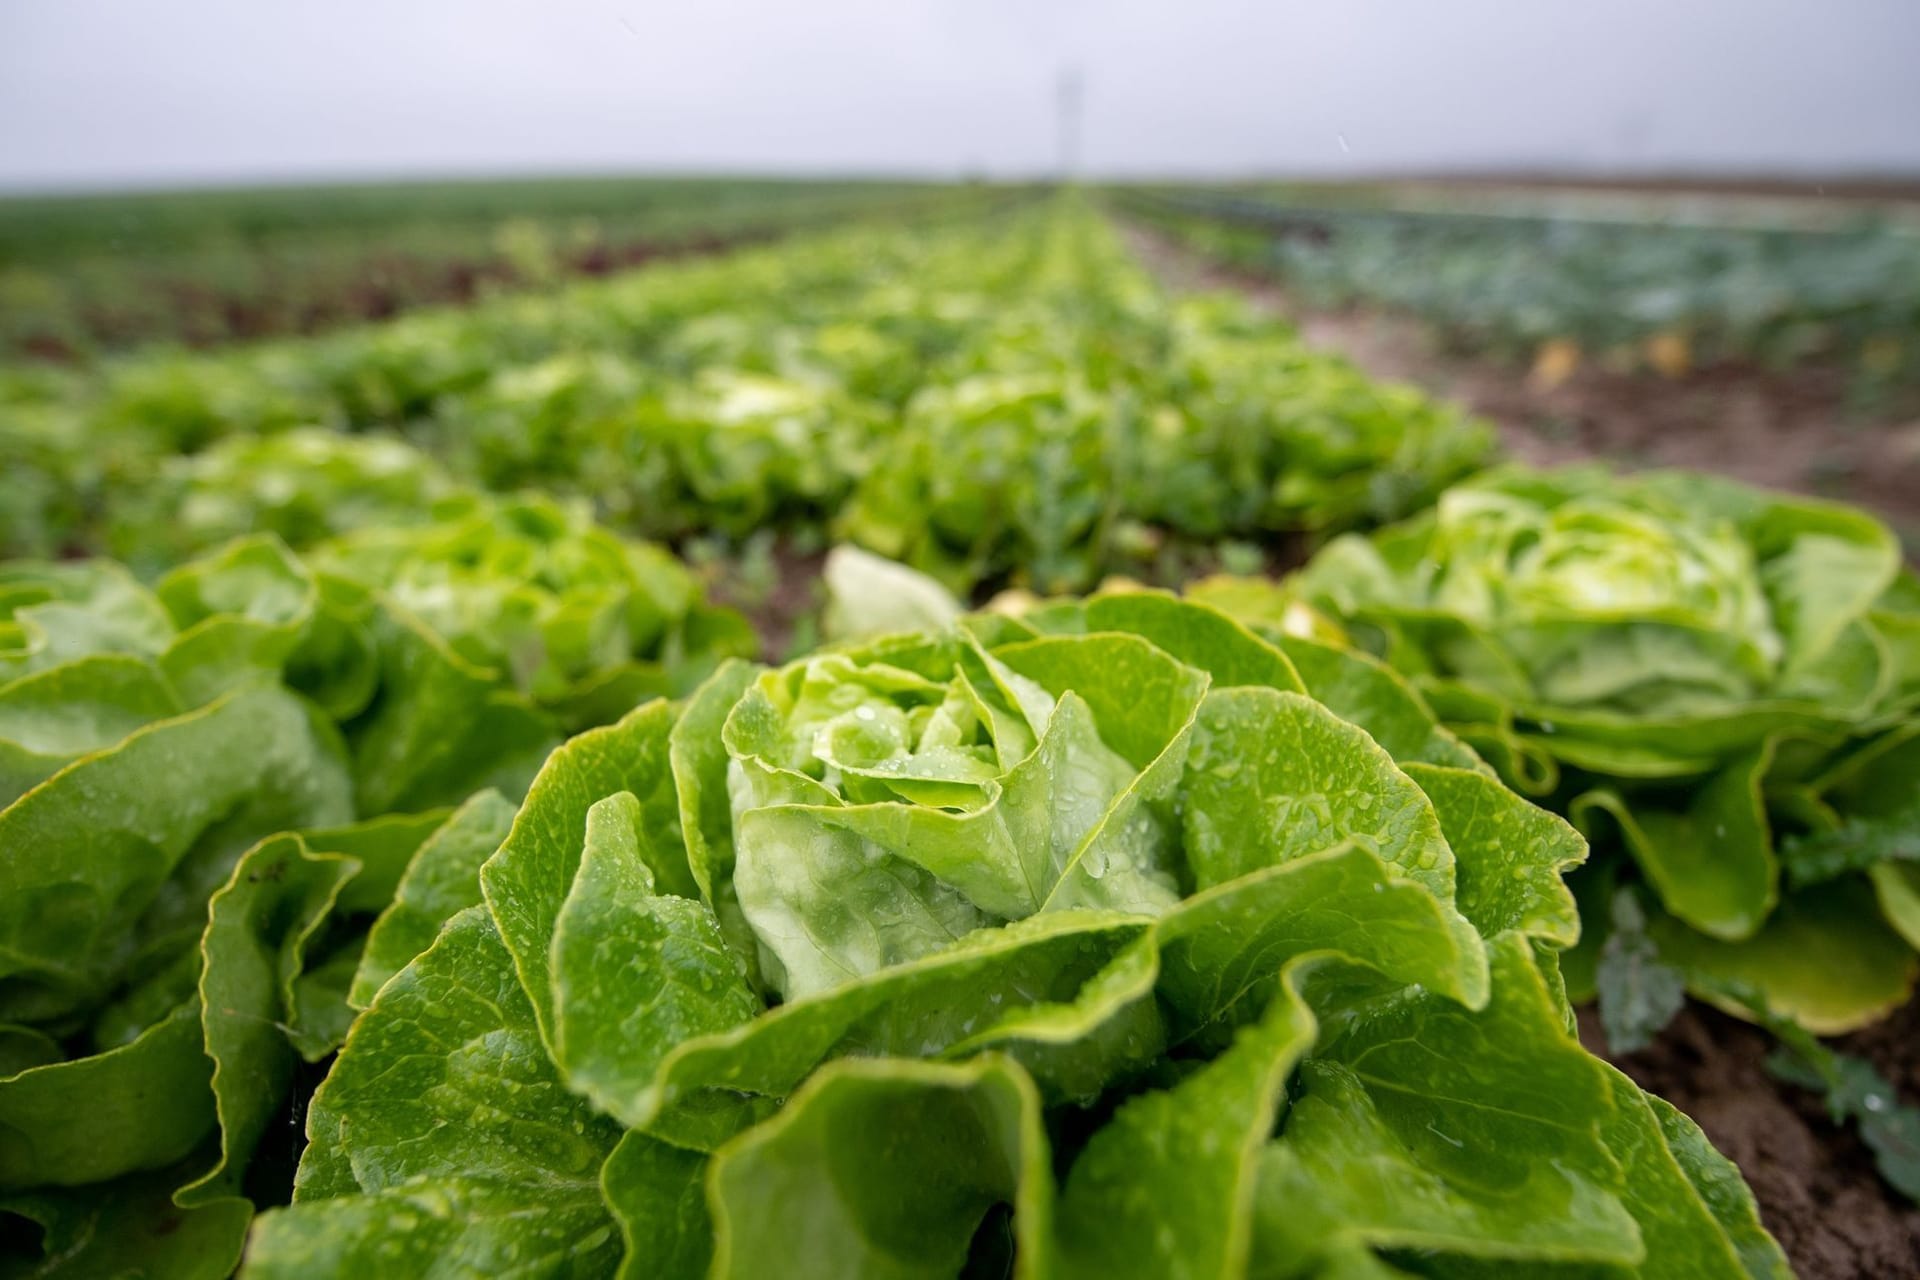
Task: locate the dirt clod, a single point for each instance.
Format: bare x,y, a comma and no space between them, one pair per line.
1815,1181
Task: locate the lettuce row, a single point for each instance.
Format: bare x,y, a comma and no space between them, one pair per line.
989,397
303,486
1088,423
1720,686
583,622
210,789
1666,298
1111,940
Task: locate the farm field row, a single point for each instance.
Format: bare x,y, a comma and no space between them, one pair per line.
1813,426
1642,292
391,772
82,276
1791,429
1008,399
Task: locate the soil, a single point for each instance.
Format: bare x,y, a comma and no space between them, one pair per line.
1793,431
1815,1180
780,590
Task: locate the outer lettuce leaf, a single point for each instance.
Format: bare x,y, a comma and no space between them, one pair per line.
129,1229
619,946
440,881
527,881
869,596
54,613
658,1194
1826,959
51,718
904,1209
1419,1127
1344,784
1719,1186
1712,863
698,756
1387,1169
136,1106
107,858
1167,1187
1509,856
442,1130
261,927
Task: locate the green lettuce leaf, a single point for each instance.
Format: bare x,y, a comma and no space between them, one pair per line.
444,1131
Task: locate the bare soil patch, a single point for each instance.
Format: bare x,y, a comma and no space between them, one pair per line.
1815,1181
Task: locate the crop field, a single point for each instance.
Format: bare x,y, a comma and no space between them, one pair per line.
1665,292
1773,337
81,275
862,729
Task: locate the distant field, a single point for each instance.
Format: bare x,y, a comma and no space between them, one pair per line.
1870,190
82,275
1774,335
1845,197
1664,280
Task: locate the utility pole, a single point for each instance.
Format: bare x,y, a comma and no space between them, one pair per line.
1067,102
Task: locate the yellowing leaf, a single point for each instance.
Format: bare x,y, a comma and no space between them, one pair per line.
1554,363
1670,353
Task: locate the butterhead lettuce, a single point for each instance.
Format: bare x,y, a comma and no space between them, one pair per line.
209,790
1719,684
1110,940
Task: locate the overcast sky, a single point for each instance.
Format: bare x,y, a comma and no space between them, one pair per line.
102,92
